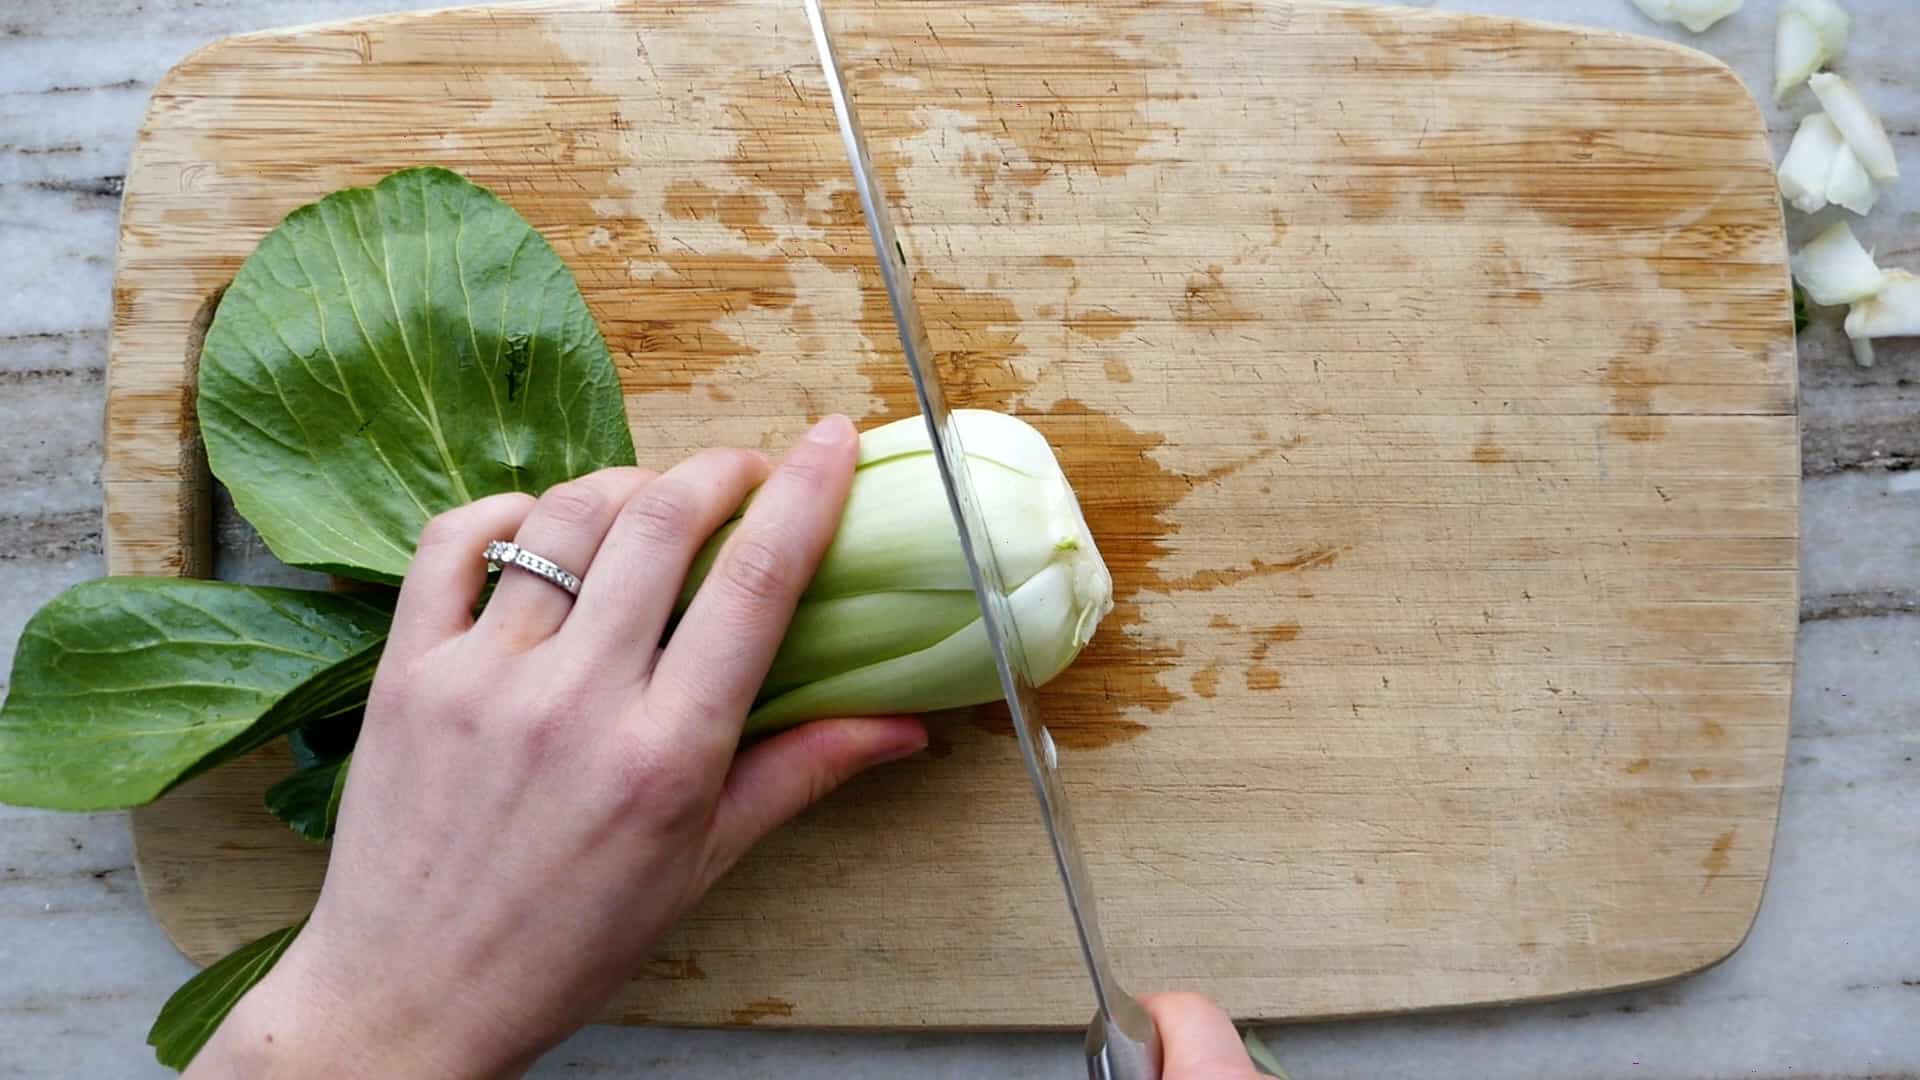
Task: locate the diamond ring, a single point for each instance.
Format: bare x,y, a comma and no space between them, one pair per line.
505,553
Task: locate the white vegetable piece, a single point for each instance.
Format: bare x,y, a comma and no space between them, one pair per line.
1807,35
1828,17
1893,311
1849,185
1797,52
1805,171
1857,123
1695,15
1834,269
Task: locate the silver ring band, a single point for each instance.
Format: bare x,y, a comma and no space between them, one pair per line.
505,553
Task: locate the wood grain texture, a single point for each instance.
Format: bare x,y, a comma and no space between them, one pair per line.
1427,380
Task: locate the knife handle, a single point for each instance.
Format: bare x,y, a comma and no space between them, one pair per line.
1123,1044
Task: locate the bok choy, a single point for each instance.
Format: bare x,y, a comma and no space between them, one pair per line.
889,623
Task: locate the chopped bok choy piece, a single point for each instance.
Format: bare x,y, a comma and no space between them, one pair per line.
1858,124
1834,269
1807,35
1804,171
1892,311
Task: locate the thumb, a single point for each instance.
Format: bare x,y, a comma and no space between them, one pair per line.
784,775
1198,1039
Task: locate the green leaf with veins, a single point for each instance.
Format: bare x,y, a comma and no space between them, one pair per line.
309,800
191,1015
124,687
391,352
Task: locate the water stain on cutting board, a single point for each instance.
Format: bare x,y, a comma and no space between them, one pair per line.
676,967
1486,451
1630,378
1208,299
762,1009
1586,119
789,223
1717,859
1129,502
692,200
1258,675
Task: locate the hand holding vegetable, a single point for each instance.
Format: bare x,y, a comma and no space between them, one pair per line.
539,792
532,804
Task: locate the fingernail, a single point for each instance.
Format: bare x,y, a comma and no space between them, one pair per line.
911,743
832,431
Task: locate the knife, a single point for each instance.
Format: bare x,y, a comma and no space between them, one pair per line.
1121,1041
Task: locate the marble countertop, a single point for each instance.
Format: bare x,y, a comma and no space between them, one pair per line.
1828,984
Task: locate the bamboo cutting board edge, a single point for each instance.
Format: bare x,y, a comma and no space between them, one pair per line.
131,497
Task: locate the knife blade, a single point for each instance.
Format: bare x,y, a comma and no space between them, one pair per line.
1121,1041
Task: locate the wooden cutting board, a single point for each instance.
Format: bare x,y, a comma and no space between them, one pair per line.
1428,381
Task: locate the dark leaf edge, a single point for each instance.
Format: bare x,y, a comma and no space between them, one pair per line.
195,1011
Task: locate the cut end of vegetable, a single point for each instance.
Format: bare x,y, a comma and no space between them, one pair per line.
1797,52
1828,18
1807,35
1858,124
890,624
1834,269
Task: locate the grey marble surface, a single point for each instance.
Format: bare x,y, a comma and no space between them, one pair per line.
1828,985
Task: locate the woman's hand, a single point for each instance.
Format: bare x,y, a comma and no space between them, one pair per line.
538,794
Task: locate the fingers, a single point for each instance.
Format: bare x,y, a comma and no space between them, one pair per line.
446,576
566,526
1197,1038
784,775
624,604
724,644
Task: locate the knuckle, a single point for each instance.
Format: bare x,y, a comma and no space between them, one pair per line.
809,489
445,528
759,569
657,518
651,785
572,503
730,457
730,465
806,471
458,525
542,733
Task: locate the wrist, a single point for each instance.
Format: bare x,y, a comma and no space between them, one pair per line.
302,1022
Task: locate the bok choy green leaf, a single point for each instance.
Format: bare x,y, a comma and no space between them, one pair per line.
191,1015
309,800
391,352
124,687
